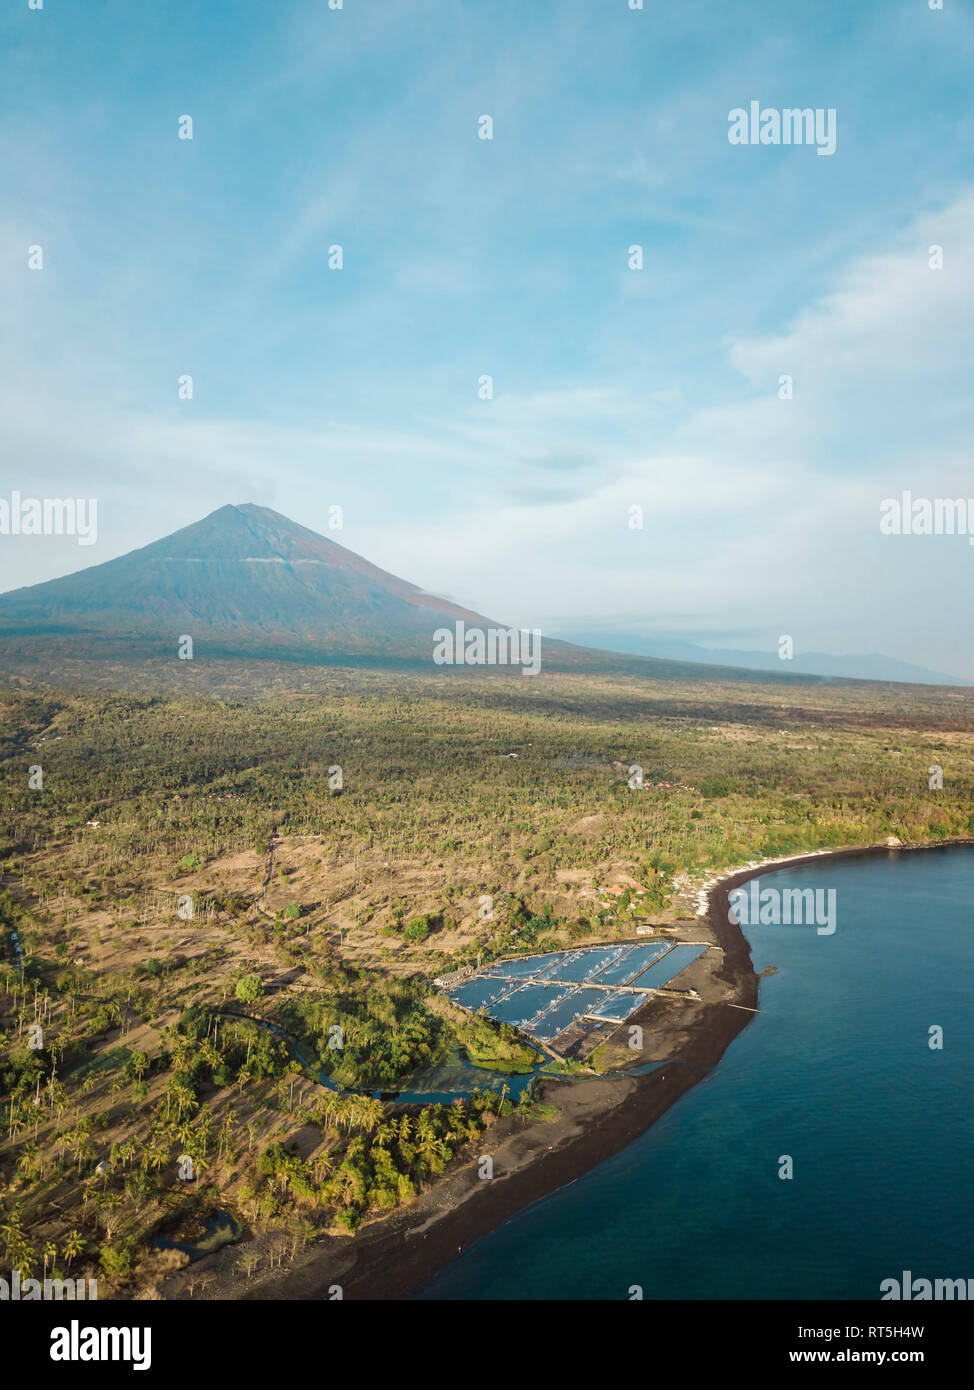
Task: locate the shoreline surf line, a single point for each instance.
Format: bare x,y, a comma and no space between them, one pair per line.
400,1254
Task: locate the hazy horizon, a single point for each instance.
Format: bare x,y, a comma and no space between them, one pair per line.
610,636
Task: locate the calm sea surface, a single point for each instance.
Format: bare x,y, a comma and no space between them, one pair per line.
835,1071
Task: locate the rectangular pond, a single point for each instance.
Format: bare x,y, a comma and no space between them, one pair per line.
580,966
526,1002
668,967
545,994
563,1015
618,1005
625,969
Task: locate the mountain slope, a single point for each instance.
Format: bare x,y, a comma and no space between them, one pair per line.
872,666
247,576
245,582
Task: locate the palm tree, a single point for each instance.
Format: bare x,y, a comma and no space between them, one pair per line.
183,1095
226,1135
109,1204
73,1246
426,1141
11,1231
160,1154
81,1144
344,1186
87,1192
204,1130
322,1166
370,1113
328,1107
28,1162
23,1259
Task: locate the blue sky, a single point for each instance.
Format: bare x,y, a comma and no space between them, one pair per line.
612,387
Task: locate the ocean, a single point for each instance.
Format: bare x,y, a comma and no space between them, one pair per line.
834,1080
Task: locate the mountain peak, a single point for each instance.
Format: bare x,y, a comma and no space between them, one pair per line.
256,509
262,516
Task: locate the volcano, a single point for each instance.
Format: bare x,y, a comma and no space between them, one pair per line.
246,582
242,581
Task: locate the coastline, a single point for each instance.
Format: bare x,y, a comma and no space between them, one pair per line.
395,1257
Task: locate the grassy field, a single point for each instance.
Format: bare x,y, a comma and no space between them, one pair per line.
313,857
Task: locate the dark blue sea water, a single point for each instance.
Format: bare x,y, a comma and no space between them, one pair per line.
836,1072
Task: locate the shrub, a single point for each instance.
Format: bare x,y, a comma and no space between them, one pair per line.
249,989
115,1262
417,929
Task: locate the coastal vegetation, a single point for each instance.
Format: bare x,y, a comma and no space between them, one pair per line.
201,934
